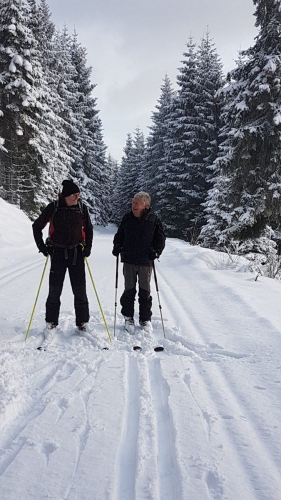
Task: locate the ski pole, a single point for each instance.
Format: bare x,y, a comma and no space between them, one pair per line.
116,286
35,303
157,290
92,279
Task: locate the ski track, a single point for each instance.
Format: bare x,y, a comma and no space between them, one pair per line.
190,319
84,389
238,413
125,464
228,424
18,271
168,473
146,465
34,408
46,392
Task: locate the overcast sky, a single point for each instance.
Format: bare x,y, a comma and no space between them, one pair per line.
132,44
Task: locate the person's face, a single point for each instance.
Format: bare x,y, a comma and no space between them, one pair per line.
72,199
138,207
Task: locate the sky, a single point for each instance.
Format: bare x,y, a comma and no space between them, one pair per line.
132,44
198,421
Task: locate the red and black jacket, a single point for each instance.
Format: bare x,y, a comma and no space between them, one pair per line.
69,226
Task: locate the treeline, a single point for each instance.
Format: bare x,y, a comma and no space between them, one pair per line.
212,159
49,123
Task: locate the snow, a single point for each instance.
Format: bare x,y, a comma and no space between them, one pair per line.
277,118
241,106
199,421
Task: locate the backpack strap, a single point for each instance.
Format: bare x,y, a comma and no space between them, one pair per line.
80,205
56,208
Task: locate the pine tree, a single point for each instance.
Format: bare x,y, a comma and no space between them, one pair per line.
181,128
138,161
53,162
191,141
156,150
27,123
217,205
209,82
19,103
113,168
91,167
65,78
127,178
250,158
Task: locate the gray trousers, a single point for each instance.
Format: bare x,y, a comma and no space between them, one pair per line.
132,274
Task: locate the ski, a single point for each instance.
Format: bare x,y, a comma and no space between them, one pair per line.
44,345
158,348
137,348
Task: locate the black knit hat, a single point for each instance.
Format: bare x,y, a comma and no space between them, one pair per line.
69,187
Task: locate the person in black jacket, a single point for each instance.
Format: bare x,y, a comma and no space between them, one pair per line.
69,242
140,239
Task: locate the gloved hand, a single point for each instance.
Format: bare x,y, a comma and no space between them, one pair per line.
153,254
45,250
86,252
116,250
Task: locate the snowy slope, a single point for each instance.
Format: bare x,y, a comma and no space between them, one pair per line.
200,421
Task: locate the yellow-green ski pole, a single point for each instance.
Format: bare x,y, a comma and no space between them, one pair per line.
35,303
116,287
92,279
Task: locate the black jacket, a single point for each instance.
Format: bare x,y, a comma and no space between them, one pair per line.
137,237
68,225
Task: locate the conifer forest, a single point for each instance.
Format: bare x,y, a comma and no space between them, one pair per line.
211,160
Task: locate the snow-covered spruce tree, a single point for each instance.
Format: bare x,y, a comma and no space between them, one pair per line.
180,138
217,201
113,168
250,158
155,151
127,178
20,103
192,139
91,167
210,80
54,161
97,176
65,79
138,153
28,124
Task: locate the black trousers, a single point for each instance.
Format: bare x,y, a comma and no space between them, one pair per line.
132,274
62,260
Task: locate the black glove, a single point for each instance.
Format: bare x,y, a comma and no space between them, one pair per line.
116,250
86,252
45,250
153,254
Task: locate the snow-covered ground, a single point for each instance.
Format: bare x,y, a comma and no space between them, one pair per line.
199,421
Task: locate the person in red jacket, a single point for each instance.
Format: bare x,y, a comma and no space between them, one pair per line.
140,239
69,242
